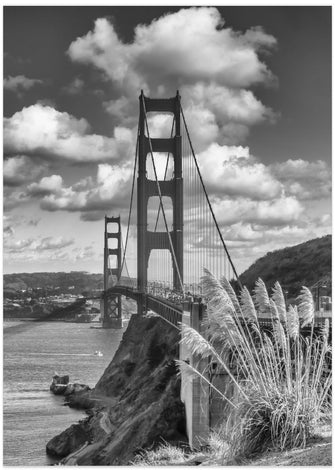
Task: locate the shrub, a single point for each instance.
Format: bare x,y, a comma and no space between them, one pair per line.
281,379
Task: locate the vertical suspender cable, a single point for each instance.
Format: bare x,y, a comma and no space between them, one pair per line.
165,173
131,200
208,201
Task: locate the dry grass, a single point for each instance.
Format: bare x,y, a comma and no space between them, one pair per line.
281,383
281,380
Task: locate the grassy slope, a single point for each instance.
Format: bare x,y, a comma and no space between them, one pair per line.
293,267
318,452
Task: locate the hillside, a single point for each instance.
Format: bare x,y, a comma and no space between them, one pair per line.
293,267
76,281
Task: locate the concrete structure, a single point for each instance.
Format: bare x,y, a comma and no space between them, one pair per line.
195,393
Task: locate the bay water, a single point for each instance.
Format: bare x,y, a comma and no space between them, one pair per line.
32,353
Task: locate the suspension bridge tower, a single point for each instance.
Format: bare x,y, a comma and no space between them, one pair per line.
111,312
146,188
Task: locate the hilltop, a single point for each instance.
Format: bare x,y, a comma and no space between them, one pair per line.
294,266
74,281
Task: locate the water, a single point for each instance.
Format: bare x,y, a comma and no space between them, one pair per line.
32,353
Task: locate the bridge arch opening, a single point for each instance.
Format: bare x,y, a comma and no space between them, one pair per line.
113,227
160,272
161,125
155,214
112,243
164,164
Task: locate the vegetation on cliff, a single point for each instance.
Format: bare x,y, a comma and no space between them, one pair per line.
293,267
136,403
281,378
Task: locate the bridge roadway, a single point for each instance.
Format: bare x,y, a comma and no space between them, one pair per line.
171,308
170,311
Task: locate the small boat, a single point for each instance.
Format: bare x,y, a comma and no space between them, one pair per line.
98,353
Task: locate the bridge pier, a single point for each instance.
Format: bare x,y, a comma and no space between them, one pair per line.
141,305
195,393
112,316
111,309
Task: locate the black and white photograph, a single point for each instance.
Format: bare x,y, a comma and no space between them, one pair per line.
167,249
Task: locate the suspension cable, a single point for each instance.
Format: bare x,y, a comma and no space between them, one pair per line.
131,200
125,259
160,199
207,198
165,173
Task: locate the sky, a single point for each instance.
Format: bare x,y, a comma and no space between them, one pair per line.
255,85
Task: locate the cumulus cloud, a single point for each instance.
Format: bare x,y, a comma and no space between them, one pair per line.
191,44
111,188
229,111
43,131
20,170
44,244
237,173
20,83
47,185
304,179
190,50
278,212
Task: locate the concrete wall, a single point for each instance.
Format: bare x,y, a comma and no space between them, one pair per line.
194,391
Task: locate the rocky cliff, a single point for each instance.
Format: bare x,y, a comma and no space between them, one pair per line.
136,403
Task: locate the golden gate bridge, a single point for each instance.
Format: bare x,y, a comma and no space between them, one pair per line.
176,228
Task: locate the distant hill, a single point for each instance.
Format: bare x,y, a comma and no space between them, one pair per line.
294,267
76,281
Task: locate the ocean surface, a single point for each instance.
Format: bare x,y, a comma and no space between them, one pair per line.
32,353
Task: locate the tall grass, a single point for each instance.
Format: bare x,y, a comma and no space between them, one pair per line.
280,379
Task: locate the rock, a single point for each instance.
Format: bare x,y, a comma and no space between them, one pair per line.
69,441
60,386
58,389
76,388
59,383
60,379
81,400
137,400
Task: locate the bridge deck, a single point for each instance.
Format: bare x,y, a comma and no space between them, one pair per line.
172,311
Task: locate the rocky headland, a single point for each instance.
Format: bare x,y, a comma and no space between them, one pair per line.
135,404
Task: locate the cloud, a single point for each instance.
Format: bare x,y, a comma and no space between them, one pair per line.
8,230
20,84
47,185
43,131
20,170
189,45
190,50
13,199
304,179
44,244
75,87
279,212
46,249
233,110
33,222
85,253
237,173
110,189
